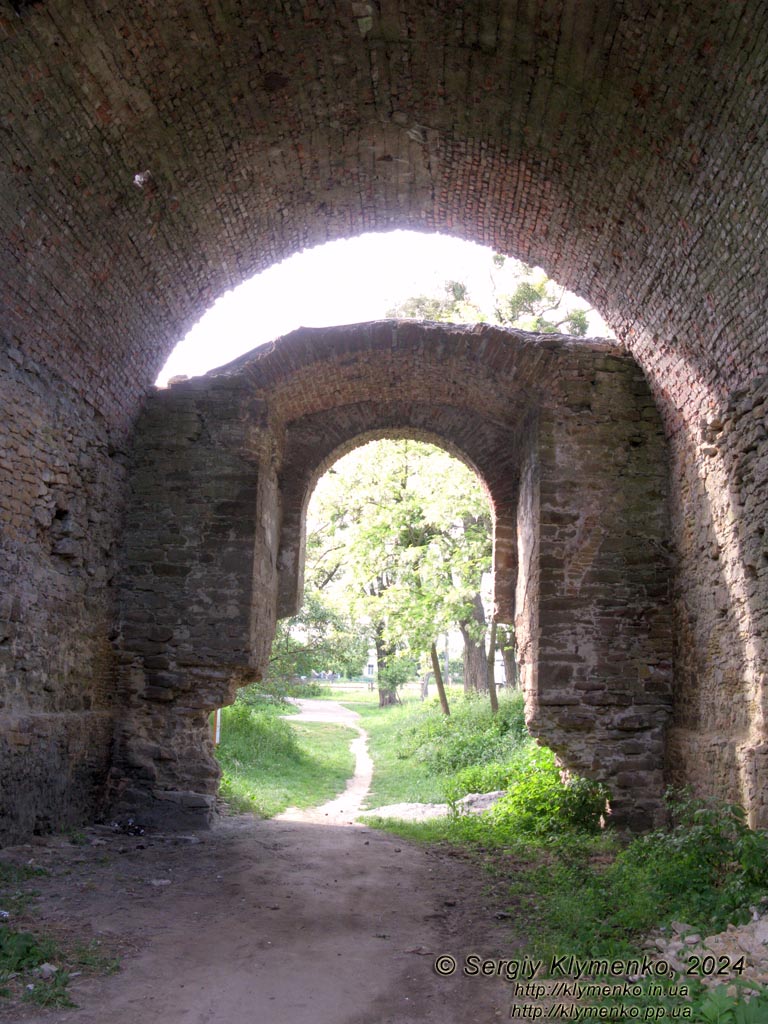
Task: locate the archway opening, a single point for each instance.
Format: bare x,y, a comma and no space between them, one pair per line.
399,533
375,276
397,606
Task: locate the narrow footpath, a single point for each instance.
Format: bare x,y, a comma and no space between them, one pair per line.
305,919
343,809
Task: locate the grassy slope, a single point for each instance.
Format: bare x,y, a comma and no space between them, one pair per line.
269,764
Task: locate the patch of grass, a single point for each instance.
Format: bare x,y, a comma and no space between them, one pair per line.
417,750
269,764
470,736
21,955
21,951
51,992
397,778
12,874
89,957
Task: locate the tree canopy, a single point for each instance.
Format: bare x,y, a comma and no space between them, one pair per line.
535,303
398,540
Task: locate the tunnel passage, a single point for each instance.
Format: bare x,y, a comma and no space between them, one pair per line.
153,157
567,440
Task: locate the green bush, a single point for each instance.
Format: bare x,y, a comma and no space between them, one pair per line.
538,802
710,868
277,691
483,778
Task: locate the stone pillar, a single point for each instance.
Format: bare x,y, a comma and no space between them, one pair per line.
594,558
202,503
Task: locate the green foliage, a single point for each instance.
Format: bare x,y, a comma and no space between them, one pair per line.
397,672
539,802
707,870
321,638
453,306
396,778
51,992
739,1002
471,735
15,897
14,874
533,304
400,537
20,951
268,764
749,1005
577,323
277,692
710,868
483,778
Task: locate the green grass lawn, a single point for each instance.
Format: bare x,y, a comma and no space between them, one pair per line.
269,763
417,751
397,777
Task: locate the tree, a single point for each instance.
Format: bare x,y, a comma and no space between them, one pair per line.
453,306
319,639
534,304
407,537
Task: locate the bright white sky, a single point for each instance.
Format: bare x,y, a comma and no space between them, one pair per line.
344,282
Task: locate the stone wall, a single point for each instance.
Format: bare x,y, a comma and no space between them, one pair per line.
58,472
603,685
720,610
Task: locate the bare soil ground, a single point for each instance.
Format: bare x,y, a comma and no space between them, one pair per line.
272,923
269,922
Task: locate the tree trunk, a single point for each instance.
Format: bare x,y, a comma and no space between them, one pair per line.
439,681
475,663
492,669
425,685
508,654
387,694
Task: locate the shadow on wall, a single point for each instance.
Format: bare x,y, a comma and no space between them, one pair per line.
720,532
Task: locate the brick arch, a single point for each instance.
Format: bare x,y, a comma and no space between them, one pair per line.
266,134
568,442
618,145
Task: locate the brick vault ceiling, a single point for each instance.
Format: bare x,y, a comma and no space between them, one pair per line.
154,156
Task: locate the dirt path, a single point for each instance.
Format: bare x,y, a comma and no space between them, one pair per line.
343,809
270,922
